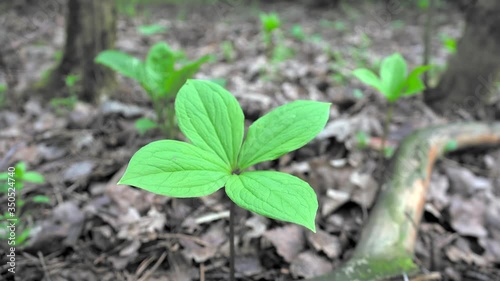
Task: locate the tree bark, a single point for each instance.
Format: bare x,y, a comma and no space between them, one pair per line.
468,83
90,29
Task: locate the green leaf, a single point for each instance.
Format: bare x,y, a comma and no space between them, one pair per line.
151,29
413,83
120,62
393,75
176,169
33,177
282,130
211,118
40,199
270,21
176,80
160,63
276,195
145,124
369,78
23,236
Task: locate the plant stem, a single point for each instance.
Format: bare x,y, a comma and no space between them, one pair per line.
427,40
388,119
231,241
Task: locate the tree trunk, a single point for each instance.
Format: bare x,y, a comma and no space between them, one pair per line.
90,29
468,83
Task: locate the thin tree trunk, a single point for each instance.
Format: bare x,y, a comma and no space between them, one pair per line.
90,29
468,83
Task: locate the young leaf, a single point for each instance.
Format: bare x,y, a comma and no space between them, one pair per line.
33,177
151,29
413,83
211,118
145,124
368,77
176,169
276,195
160,62
176,79
121,63
282,130
40,199
393,75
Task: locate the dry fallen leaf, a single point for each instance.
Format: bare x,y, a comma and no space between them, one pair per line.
467,216
288,240
309,264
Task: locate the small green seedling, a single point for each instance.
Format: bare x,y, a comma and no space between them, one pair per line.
68,103
269,23
3,90
297,32
218,157
152,29
11,184
362,139
228,51
449,43
159,77
394,82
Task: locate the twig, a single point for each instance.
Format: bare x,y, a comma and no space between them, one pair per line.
8,155
154,268
44,266
202,272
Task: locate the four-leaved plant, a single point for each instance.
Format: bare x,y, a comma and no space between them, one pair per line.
161,75
394,83
213,121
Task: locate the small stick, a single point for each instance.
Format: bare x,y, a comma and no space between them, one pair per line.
231,241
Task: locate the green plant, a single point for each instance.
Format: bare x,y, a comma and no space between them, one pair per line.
449,43
297,32
270,23
211,118
159,77
151,29
228,51
127,7
337,25
11,184
67,103
3,90
362,139
394,82
281,53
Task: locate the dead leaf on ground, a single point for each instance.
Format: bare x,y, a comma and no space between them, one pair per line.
467,216
288,240
326,243
309,264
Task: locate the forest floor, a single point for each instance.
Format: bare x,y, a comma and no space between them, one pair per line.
93,229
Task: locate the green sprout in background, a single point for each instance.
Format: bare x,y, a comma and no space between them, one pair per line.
449,43
297,32
228,51
394,83
67,103
161,75
273,38
3,90
269,23
152,29
218,157
14,188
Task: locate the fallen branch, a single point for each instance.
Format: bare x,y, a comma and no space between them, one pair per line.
386,247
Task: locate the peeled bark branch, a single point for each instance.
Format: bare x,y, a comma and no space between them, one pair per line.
386,247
